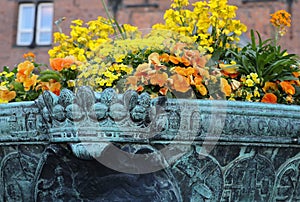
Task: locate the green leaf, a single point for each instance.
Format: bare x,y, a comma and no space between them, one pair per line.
17,86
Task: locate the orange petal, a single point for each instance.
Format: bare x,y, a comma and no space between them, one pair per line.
164,57
163,91
287,87
269,98
159,79
7,95
57,64
180,83
175,60
225,87
139,88
185,61
202,89
296,74
154,58
132,80
269,85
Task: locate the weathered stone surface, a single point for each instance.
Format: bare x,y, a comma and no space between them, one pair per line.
106,146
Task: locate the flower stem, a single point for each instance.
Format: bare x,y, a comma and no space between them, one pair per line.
113,22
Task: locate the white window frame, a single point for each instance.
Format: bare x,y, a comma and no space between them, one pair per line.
36,29
38,22
21,21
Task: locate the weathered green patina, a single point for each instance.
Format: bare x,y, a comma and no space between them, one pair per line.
106,146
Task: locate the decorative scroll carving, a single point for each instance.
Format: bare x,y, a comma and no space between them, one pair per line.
288,181
200,178
249,179
18,172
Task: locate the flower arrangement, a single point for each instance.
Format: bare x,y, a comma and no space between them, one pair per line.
196,53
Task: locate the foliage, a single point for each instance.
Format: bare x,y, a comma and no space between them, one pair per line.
261,65
29,79
194,54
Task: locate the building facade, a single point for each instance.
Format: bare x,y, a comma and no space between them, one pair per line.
20,34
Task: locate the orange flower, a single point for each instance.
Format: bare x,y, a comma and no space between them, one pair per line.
29,56
229,70
139,88
159,79
297,82
225,87
6,95
296,74
68,61
132,80
178,47
269,98
287,87
281,18
59,64
55,88
164,57
175,60
180,83
29,82
194,57
163,91
185,61
202,89
184,71
142,70
203,72
52,86
24,70
154,58
197,80
269,85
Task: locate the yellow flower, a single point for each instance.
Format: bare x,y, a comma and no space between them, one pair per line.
254,77
249,82
256,92
71,83
249,96
10,74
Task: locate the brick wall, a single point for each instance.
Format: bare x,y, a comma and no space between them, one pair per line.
254,15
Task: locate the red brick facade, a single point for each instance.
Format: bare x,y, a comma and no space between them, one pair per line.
254,15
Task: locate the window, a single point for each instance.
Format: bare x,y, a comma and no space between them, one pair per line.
35,24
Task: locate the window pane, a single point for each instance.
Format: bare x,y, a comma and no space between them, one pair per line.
44,37
46,16
25,24
44,24
25,38
27,17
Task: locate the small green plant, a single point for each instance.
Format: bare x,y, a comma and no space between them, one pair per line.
265,59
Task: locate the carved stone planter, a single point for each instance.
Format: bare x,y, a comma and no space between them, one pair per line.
110,147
